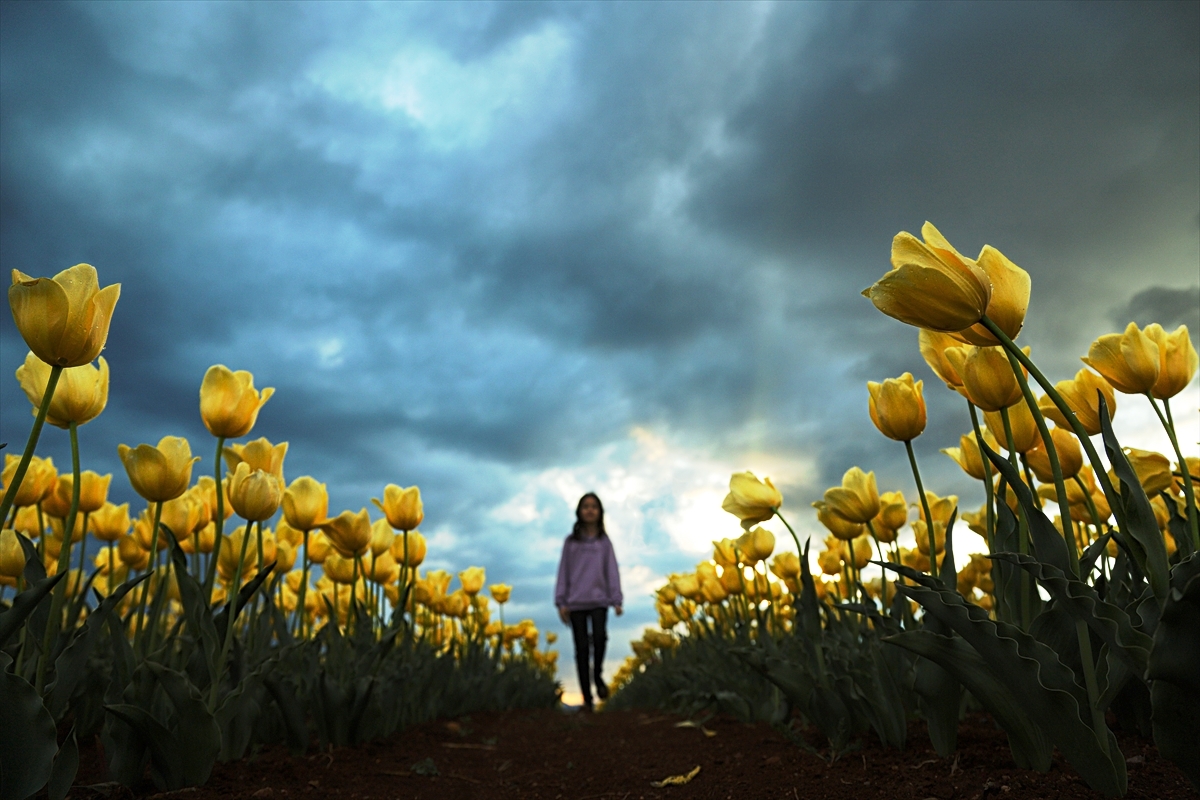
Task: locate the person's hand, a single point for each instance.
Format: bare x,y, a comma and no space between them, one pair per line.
564,615
619,611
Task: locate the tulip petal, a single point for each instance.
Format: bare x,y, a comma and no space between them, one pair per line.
40,309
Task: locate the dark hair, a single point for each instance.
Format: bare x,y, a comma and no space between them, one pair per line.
577,531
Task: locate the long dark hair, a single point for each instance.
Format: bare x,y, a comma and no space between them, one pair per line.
577,531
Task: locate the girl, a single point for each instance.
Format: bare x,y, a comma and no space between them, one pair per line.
588,583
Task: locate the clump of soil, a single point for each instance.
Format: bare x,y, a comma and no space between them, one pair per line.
618,755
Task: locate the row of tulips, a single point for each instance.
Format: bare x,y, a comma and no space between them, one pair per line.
1095,609
184,633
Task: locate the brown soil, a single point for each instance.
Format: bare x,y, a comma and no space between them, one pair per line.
616,756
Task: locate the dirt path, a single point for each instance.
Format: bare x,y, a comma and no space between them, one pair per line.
616,756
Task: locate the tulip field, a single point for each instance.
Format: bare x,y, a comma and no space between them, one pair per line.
233,613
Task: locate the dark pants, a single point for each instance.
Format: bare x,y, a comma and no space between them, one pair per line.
585,642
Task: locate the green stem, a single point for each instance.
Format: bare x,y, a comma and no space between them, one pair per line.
1189,491
300,595
11,492
883,573
1110,493
1022,529
231,603
1060,486
988,490
912,460
64,563
137,634
219,521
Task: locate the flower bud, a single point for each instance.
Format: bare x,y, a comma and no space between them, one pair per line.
79,397
63,319
229,404
255,495
402,507
159,473
897,407
305,503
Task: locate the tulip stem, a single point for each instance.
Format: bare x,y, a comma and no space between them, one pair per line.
988,489
1113,497
219,521
137,635
64,563
912,460
1189,492
303,589
231,605
883,574
1027,590
10,494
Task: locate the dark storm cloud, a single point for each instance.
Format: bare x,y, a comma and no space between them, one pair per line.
670,229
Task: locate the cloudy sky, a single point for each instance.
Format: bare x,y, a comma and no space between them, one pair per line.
514,252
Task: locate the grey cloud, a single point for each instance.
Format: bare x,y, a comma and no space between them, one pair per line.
1164,305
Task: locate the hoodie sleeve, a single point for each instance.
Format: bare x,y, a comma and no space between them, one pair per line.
615,598
561,588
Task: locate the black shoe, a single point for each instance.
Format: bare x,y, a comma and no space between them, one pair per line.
601,689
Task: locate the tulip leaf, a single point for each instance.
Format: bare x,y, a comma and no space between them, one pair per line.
243,597
1048,544
1005,576
1033,672
1177,524
1029,746
1090,555
1175,687
939,700
72,664
165,749
1106,620
1140,523
23,605
946,570
34,569
198,615
195,726
28,740
295,727
66,766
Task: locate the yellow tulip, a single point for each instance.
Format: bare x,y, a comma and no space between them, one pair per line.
830,561
162,472
93,490
63,319
255,495
305,503
931,285
857,499
143,528
318,547
1177,360
472,580
402,507
27,522
838,525
977,521
381,536
1153,470
921,531
933,346
258,454
58,524
81,394
500,592
1009,300
1081,396
856,551
940,507
988,379
786,565
111,522
751,500
686,585
381,568
58,503
349,533
725,553
206,491
756,545
1129,361
967,456
285,557
339,568
286,533
1070,456
207,537
1024,427
229,403
712,591
132,554
897,407
416,548
12,555
892,516
181,515
39,481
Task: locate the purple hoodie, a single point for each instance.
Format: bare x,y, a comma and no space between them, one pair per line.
587,575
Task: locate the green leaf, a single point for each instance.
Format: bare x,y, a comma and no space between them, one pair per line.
165,767
1032,672
196,611
24,605
1029,747
1143,535
1048,544
1108,621
1175,687
939,699
28,741
197,729
66,766
290,708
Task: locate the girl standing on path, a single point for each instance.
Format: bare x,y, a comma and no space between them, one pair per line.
588,583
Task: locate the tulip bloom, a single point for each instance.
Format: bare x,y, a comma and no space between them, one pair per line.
81,394
967,456
897,407
402,507
857,499
500,592
756,545
318,547
181,515
229,403
893,515
472,579
1026,435
751,500
349,533
305,503
159,473
931,284
1009,300
416,548
786,565
1129,361
933,346
1177,360
988,379
206,491
93,490
1080,395
12,555
258,454
1070,456
255,495
838,525
63,319
725,553
1153,470
39,481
